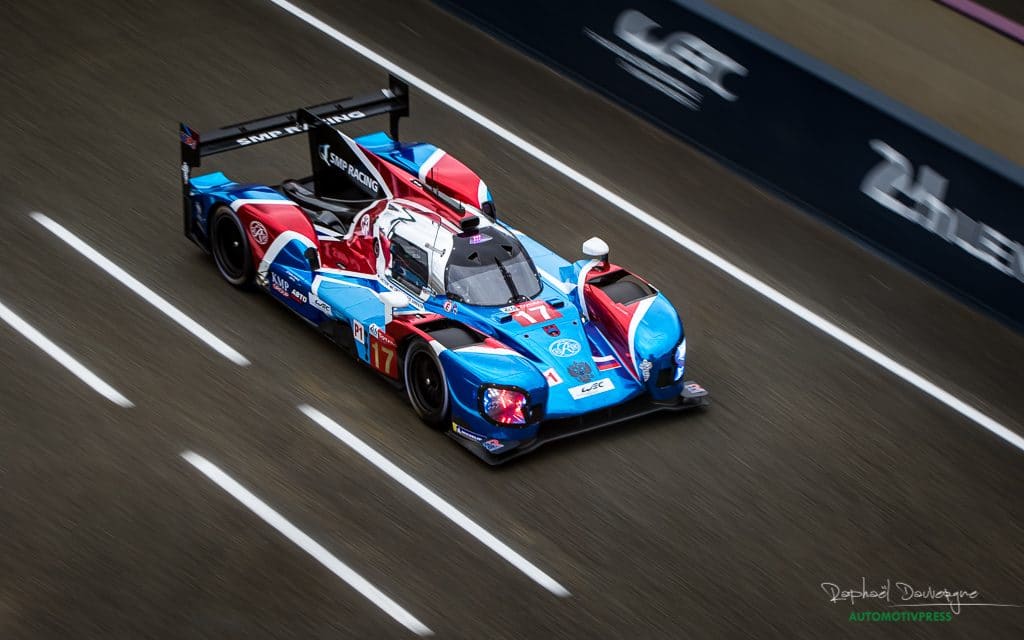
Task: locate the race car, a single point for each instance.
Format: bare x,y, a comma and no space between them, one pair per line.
395,251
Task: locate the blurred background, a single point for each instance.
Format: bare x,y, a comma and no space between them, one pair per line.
867,387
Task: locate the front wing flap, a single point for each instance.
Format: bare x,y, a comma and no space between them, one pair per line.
495,452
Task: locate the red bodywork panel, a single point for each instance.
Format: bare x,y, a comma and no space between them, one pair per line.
455,179
613,318
264,221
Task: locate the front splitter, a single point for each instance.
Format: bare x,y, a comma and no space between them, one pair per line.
693,396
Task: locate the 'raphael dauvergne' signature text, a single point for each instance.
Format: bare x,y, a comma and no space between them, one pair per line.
903,594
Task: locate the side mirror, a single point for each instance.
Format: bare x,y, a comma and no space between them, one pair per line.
392,300
313,258
596,248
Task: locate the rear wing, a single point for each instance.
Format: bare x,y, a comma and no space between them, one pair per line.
394,101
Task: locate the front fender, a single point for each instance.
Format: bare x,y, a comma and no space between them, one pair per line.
654,333
468,368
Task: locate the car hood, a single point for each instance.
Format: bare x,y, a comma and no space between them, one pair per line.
583,371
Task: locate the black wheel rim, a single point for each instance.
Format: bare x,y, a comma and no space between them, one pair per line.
229,247
427,383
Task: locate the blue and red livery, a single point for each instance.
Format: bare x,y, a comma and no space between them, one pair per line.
396,252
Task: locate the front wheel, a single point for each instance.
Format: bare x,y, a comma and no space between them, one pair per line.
426,384
230,248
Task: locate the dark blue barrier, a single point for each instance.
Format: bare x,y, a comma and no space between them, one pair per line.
938,203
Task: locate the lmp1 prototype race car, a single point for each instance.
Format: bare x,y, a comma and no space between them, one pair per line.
395,251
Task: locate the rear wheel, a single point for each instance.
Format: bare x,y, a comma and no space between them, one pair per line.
426,384
230,248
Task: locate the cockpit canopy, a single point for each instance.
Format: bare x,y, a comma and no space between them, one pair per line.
489,267
486,266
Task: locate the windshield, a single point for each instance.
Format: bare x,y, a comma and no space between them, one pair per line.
489,267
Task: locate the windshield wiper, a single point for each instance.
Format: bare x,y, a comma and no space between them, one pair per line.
510,283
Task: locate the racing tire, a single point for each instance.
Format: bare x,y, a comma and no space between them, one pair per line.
230,248
426,385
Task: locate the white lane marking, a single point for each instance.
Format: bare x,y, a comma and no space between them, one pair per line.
141,290
761,287
63,357
307,544
436,501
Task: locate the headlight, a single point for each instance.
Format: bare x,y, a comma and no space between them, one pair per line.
680,359
504,405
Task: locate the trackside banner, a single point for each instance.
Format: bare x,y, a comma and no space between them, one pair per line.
941,205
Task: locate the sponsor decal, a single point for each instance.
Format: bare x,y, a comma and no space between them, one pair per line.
358,332
552,377
588,389
493,445
511,309
279,284
893,178
451,307
299,297
299,128
364,225
355,172
552,330
645,369
478,238
381,336
564,348
320,304
259,232
184,172
466,433
581,371
344,117
683,63
382,356
529,313
694,388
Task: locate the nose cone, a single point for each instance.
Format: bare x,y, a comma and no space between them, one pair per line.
582,371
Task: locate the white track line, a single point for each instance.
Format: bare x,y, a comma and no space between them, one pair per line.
142,290
307,544
62,356
436,501
758,285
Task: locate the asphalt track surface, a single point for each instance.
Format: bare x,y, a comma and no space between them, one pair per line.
814,465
